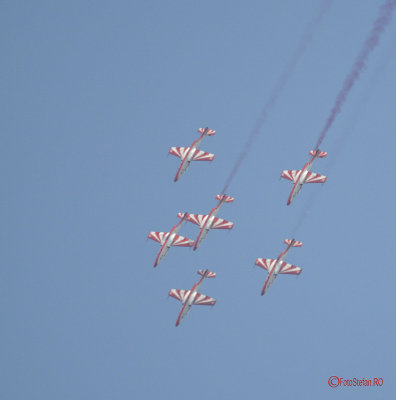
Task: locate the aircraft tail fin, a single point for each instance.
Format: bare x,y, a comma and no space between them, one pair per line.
228,199
320,155
206,273
296,243
208,132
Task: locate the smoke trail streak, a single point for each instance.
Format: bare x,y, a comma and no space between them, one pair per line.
339,145
369,45
283,79
361,106
306,208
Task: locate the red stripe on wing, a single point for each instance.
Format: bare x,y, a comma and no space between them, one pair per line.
290,269
292,175
219,223
202,300
266,263
178,151
200,155
182,241
159,237
197,219
315,178
180,295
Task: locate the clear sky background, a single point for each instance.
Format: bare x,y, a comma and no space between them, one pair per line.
94,94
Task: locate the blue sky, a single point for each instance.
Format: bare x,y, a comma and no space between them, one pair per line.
94,95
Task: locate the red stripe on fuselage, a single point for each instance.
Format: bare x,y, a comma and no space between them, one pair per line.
186,156
289,200
202,229
269,275
162,247
283,254
188,298
209,215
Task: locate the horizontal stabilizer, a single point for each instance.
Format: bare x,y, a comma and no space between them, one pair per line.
206,273
159,237
315,178
320,155
296,243
180,295
219,223
290,269
265,263
228,199
200,155
209,132
179,151
203,300
292,175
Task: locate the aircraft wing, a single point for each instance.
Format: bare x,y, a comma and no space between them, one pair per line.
197,219
315,178
266,263
179,151
200,155
182,241
289,269
159,237
180,295
219,223
292,175
202,300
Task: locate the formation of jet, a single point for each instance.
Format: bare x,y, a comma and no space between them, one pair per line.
192,153
278,266
299,177
168,239
188,298
209,221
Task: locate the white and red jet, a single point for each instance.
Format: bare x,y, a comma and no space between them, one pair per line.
191,297
168,239
304,176
192,153
210,221
278,266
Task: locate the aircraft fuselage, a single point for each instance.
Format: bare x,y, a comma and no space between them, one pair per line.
168,243
301,179
208,224
189,301
275,270
189,156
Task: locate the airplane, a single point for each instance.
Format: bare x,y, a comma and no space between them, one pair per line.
191,297
278,266
192,153
210,221
168,239
304,175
